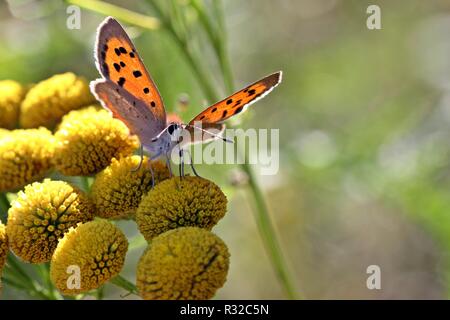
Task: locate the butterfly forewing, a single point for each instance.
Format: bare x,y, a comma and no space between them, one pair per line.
118,61
239,101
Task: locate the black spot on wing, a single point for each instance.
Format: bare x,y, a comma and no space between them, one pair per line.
214,110
117,67
122,64
251,92
122,50
137,73
237,110
229,101
237,103
153,104
121,81
224,114
117,51
132,54
146,90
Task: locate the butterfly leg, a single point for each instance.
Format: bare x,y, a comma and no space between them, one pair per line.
141,153
152,173
192,164
168,165
181,166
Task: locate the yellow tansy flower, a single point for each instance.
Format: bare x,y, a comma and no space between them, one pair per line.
118,190
88,139
185,263
193,201
25,156
41,215
11,95
94,251
49,100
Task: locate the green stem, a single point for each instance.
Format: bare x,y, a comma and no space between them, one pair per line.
195,65
124,284
14,282
217,39
4,207
120,13
268,234
44,273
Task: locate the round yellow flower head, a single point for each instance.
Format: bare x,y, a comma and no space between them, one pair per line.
185,263
118,190
88,139
3,246
11,95
49,100
193,201
41,215
87,257
25,156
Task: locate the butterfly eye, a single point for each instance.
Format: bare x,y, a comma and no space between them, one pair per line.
172,128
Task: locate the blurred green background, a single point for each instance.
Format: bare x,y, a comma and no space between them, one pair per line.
364,119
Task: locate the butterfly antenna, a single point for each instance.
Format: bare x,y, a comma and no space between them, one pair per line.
210,133
141,153
159,134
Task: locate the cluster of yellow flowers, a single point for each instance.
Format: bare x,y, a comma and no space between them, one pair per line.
56,126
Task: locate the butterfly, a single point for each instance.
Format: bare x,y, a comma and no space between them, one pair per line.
128,91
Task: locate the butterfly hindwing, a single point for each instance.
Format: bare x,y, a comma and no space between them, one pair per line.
118,61
239,101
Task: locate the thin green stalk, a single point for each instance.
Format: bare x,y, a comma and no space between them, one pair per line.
16,270
124,284
217,39
4,207
120,13
267,232
44,273
14,282
100,293
205,82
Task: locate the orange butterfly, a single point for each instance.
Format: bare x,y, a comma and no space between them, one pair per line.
128,91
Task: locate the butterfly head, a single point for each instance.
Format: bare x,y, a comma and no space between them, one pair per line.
165,140
173,128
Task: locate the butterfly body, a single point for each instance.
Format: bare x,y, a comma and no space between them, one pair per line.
128,91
